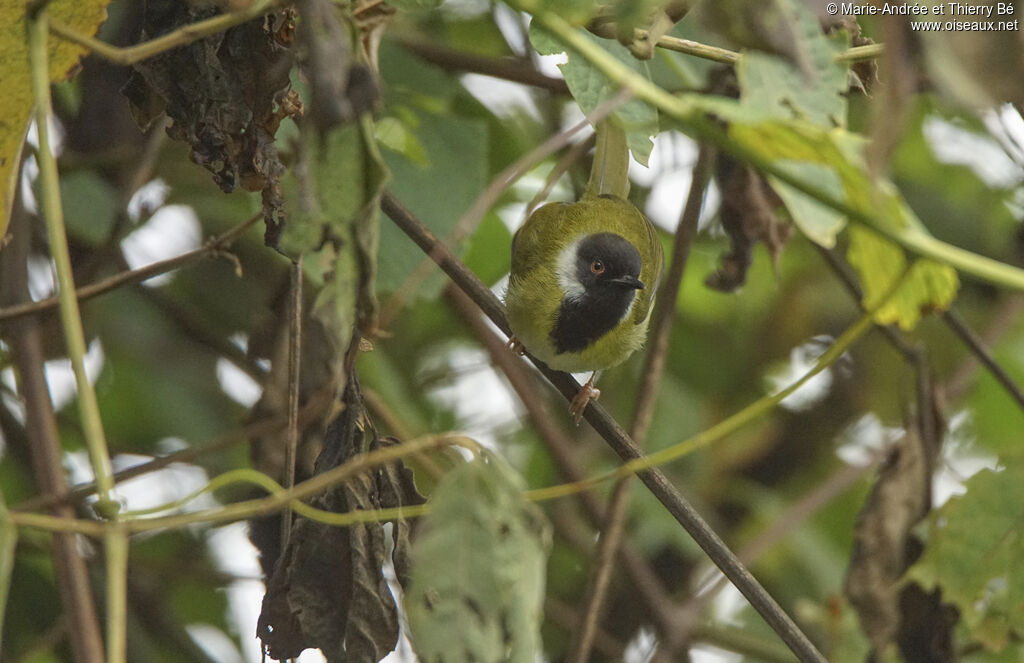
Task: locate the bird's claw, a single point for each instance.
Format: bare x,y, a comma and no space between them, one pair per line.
587,393
515,346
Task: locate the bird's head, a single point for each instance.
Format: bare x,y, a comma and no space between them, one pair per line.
598,265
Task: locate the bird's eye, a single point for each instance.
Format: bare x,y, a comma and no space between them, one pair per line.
597,267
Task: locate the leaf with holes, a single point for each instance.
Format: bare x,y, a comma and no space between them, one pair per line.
478,570
974,552
927,286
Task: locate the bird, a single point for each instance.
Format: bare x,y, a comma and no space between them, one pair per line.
582,285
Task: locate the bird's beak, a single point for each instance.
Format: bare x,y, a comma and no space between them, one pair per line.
628,282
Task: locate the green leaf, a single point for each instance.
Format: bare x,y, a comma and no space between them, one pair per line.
440,191
820,223
90,206
812,92
974,552
834,159
478,565
488,251
392,134
589,87
332,200
928,285
8,541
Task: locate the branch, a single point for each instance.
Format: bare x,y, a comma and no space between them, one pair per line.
183,36
953,320
508,69
314,407
44,446
608,30
652,372
213,246
617,439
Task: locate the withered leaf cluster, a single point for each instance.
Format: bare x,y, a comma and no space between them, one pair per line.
226,95
328,589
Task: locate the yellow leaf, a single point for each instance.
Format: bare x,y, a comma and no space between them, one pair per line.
83,16
929,286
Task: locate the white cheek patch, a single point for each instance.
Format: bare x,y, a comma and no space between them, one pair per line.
565,270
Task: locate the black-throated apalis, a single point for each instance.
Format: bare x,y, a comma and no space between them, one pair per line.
584,274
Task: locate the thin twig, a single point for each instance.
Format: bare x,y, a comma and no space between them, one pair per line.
978,348
213,246
608,30
313,408
953,320
508,69
181,37
652,372
273,503
617,439
291,444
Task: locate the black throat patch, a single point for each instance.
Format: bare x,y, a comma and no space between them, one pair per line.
582,321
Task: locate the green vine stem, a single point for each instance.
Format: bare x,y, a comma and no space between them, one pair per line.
610,171
70,316
257,507
696,120
115,549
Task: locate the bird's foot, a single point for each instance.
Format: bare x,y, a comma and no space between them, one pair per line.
515,346
587,393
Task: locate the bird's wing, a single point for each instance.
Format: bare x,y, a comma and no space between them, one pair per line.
532,245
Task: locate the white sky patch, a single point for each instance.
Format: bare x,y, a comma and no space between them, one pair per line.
61,379
483,404
801,360
641,647
708,654
1007,125
153,489
504,98
670,175
961,459
864,439
171,231
149,197
954,145
216,643
41,277
29,173
235,555
237,384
